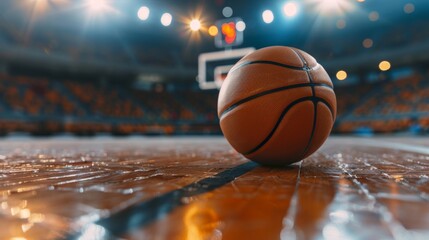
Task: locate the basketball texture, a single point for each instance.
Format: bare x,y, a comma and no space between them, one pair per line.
277,105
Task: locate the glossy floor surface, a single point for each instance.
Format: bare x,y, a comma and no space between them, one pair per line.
199,188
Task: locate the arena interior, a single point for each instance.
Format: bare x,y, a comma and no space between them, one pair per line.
107,131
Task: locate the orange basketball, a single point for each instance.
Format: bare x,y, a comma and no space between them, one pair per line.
277,105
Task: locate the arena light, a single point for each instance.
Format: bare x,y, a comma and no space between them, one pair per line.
195,25
290,9
143,13
36,8
409,8
98,6
373,16
384,65
341,75
328,7
240,26
227,12
213,31
367,43
268,16
166,19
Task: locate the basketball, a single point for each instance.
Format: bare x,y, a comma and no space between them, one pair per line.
277,105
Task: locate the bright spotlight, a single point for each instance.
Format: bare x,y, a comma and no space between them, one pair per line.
97,6
195,25
327,7
240,26
268,16
384,65
290,9
341,75
39,7
143,13
166,19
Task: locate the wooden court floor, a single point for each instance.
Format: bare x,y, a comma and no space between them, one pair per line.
199,188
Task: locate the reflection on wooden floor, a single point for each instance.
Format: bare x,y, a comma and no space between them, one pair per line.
199,188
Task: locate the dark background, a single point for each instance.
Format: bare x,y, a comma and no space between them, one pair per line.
65,69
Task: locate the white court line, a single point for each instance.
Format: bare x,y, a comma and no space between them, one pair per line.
394,145
416,234
289,231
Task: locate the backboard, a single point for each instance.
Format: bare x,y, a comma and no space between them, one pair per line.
214,66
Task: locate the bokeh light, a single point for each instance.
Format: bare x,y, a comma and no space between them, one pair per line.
367,43
268,16
166,19
330,7
143,13
341,24
384,65
409,8
97,6
195,25
373,16
290,9
39,7
213,31
227,12
341,75
240,26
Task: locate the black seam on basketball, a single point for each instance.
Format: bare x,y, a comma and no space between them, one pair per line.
267,62
314,123
301,58
313,91
282,115
306,69
312,98
238,103
312,130
327,105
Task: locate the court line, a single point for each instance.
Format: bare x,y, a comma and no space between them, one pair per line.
288,231
403,182
397,230
394,145
146,212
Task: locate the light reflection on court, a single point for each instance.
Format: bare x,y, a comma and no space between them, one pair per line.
58,188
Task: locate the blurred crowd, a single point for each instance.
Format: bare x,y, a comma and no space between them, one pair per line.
397,105
45,106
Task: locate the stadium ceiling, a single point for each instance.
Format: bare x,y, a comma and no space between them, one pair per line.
312,17
305,25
